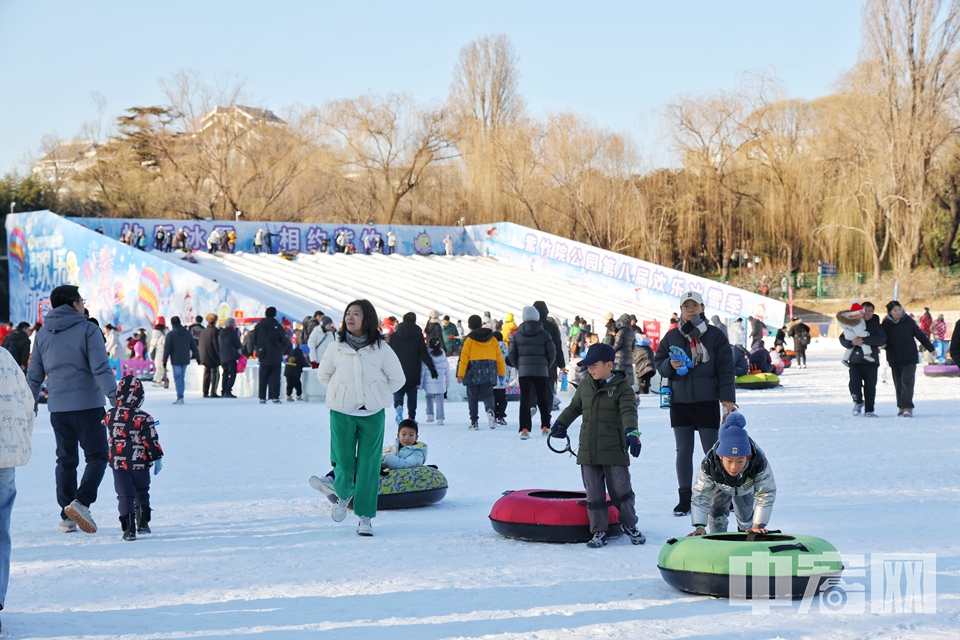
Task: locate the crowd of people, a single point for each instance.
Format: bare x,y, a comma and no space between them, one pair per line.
368,366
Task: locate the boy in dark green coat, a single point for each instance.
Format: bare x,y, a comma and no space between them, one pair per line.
608,406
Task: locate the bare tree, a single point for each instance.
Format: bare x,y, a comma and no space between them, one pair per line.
910,64
385,145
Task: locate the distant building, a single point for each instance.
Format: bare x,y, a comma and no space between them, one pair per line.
240,117
66,160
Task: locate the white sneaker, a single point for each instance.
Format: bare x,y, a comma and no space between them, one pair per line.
67,526
491,420
439,423
429,418
870,414
178,401
908,413
81,515
857,408
323,485
339,511
365,528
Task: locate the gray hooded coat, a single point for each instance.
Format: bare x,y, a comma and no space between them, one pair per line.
69,352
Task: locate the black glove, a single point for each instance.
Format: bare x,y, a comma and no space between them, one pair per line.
558,430
434,374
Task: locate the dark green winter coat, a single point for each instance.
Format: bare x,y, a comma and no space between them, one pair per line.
609,413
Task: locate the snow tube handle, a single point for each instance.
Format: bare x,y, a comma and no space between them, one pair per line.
753,536
787,547
564,450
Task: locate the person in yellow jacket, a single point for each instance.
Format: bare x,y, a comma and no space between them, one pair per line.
508,329
480,363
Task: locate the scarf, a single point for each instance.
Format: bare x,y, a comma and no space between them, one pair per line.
692,331
356,342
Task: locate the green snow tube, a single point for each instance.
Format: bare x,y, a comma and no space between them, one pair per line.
702,564
758,381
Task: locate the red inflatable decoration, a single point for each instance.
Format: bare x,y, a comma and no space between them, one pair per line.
547,515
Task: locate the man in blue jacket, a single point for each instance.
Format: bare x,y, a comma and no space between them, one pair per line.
70,353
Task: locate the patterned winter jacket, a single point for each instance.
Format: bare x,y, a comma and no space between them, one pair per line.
413,456
756,478
16,413
133,436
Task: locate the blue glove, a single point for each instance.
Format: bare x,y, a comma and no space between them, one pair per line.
558,430
157,466
633,443
678,354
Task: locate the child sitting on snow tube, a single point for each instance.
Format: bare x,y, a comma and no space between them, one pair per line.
735,469
406,452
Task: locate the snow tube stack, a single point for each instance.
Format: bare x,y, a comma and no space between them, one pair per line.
703,564
936,370
409,488
547,515
758,381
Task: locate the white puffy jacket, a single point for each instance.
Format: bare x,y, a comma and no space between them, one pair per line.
16,413
355,379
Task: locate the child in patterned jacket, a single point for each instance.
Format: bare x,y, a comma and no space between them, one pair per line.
133,449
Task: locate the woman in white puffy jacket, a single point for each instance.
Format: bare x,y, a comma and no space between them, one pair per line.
16,430
360,372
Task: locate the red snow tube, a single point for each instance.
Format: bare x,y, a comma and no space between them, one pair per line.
546,515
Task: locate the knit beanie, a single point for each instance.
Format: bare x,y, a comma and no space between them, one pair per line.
530,314
734,440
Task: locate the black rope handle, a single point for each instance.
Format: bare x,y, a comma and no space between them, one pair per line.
565,449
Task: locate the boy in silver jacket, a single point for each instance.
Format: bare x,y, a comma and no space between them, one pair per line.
734,470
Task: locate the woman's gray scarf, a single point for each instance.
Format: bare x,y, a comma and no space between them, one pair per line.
693,331
357,342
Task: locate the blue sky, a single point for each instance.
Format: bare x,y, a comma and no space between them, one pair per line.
617,62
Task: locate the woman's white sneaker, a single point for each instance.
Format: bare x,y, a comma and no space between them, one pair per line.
339,511
365,528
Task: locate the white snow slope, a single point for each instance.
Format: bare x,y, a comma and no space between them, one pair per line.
456,286
242,546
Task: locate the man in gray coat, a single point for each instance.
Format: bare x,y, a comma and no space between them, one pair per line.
70,353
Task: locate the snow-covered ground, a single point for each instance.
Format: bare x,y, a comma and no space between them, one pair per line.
243,546
456,286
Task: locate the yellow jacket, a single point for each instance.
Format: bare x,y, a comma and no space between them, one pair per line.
482,350
509,326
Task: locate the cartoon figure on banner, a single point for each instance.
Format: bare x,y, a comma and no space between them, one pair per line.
72,266
189,310
492,232
149,292
422,244
224,311
18,248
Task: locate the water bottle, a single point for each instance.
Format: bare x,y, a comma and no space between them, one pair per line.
666,395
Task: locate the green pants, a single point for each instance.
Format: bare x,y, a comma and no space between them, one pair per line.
356,451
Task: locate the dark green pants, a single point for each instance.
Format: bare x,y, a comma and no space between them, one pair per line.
356,449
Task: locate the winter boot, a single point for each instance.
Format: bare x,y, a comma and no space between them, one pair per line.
598,540
143,518
129,525
683,507
289,398
636,536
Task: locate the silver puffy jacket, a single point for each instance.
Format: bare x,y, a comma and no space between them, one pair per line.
760,484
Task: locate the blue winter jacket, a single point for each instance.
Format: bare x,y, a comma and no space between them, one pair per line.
69,352
412,456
